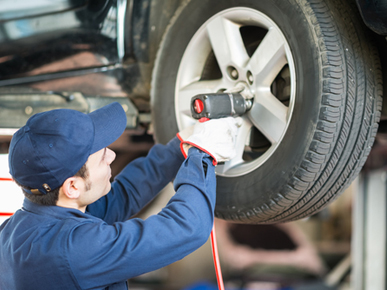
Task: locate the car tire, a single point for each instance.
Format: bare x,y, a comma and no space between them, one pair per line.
316,80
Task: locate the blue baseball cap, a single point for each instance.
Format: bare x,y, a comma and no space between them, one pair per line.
54,145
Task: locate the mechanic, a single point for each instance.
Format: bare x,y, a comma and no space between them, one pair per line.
74,231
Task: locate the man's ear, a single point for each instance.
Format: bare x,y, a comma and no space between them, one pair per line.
72,187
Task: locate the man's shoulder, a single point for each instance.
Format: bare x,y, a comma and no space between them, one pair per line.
27,221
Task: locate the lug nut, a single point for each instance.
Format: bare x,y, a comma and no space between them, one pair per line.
233,73
250,77
249,104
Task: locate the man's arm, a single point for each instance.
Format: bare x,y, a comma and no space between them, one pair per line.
100,254
139,182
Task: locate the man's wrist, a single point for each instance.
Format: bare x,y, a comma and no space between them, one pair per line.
194,150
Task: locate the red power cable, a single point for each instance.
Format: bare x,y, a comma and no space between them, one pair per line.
215,256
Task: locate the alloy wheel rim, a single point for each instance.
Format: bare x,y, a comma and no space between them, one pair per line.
224,53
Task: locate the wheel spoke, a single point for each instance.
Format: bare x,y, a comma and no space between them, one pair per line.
269,115
269,58
227,43
186,93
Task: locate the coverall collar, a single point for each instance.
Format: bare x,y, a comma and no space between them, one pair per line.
53,210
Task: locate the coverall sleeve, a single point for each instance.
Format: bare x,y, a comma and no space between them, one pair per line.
101,254
139,182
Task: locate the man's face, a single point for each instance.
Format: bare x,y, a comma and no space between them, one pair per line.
97,183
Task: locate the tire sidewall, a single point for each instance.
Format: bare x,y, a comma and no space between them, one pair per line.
271,176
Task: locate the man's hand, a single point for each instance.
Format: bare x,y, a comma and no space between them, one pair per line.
185,133
215,137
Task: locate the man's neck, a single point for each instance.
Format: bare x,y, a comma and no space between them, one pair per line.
70,204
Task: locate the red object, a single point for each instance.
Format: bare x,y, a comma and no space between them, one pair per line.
5,179
204,119
214,246
202,149
215,256
198,106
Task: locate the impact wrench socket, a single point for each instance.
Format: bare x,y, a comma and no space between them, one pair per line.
218,105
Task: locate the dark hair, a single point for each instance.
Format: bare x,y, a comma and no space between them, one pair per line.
50,198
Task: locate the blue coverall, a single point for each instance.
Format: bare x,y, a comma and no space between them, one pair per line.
51,247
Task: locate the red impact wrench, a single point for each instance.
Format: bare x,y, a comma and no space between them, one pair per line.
213,106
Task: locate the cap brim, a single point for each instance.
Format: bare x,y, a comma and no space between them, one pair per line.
109,124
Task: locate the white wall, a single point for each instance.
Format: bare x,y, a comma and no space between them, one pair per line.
11,196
